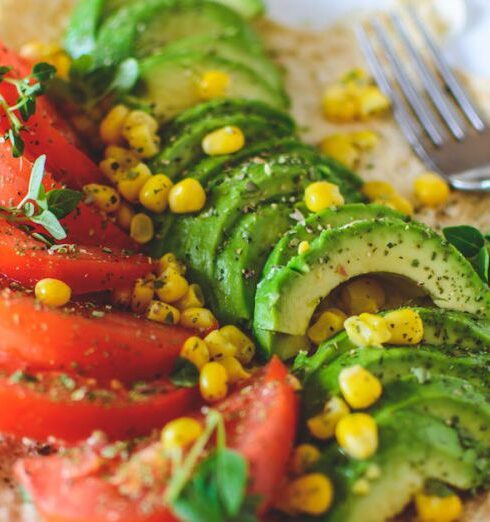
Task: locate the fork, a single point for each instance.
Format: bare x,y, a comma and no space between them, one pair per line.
437,117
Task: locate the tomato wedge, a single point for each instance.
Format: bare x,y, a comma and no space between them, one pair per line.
92,342
85,269
260,422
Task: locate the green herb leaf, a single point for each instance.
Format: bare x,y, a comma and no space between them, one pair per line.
34,191
437,488
468,240
184,374
50,222
43,72
481,263
17,143
3,71
231,476
62,202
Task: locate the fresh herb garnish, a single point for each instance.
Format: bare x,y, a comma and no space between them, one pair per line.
28,89
184,373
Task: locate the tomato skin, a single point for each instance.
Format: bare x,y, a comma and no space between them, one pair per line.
115,346
65,490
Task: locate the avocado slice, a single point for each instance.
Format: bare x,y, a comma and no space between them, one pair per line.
168,82
185,148
80,37
406,249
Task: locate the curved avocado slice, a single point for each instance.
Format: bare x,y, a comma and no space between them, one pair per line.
385,245
185,149
80,37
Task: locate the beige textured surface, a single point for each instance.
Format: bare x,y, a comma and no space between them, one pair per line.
312,61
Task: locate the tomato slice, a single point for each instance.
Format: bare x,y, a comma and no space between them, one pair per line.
260,422
92,342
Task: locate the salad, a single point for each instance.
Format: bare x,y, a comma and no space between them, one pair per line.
208,319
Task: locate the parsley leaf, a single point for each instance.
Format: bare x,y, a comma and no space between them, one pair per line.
62,202
184,374
468,240
481,263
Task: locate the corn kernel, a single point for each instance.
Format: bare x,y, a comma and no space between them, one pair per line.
52,292
104,197
367,330
141,230
244,345
431,508
142,295
193,298
181,433
35,50
359,387
226,140
364,139
364,294
122,296
339,105
111,127
373,472
137,117
328,324
187,196
304,456
218,346
163,313
341,148
213,84
111,169
142,140
303,247
124,216
171,286
357,435
372,101
170,260
196,351
361,487
378,190
124,157
397,202
321,195
154,193
310,494
431,190
405,325
322,426
213,382
357,76
132,181
198,318
236,372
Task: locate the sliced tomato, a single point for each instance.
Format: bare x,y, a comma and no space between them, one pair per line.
260,422
92,342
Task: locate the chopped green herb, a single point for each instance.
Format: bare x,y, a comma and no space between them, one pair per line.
184,374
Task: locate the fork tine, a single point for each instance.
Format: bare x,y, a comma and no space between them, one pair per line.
456,126
452,82
423,112
404,118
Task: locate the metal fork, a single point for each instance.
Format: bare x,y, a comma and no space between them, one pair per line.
438,118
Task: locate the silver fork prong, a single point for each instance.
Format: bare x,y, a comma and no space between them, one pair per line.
403,117
422,110
449,115
450,79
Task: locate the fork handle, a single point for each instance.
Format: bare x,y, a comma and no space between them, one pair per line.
477,179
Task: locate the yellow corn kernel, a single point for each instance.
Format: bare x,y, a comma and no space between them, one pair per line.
136,118
372,101
321,195
357,435
104,197
244,345
367,330
141,230
373,472
213,382
303,457
154,193
218,346
171,286
112,125
35,50
213,84
431,508
341,148
303,247
132,181
339,105
52,292
310,494
124,157
170,260
236,372
181,433
406,326
124,216
357,76
322,426
121,297
364,139
431,190
187,196
142,295
198,318
378,190
163,313
111,169
193,298
196,351
328,324
359,387
226,140
361,487
397,202
142,140
364,294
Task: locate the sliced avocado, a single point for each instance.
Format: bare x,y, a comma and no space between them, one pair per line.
80,36
390,246
168,82
185,149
